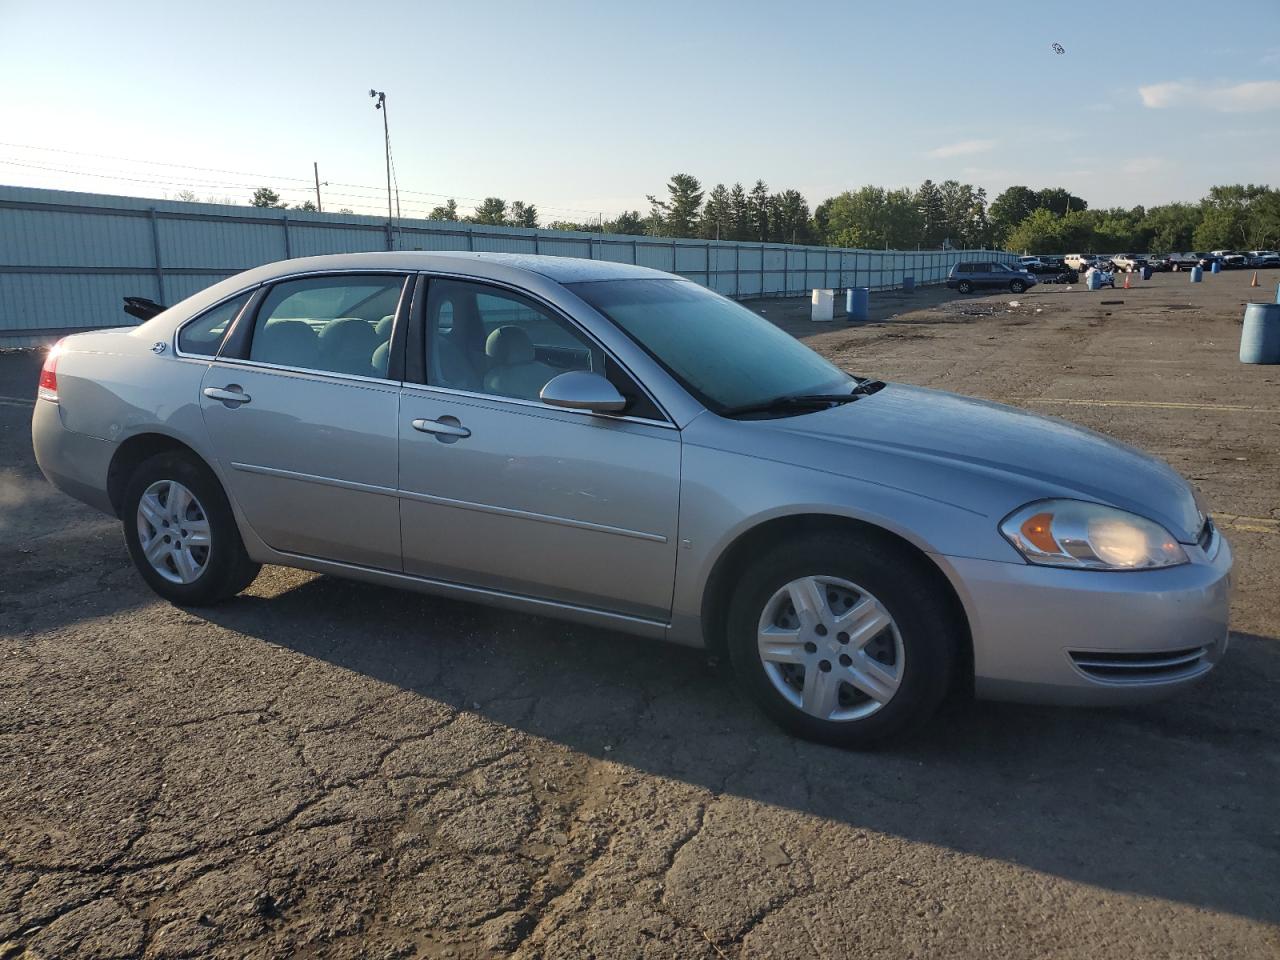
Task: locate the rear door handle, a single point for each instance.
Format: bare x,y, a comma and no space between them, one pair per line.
231,395
447,429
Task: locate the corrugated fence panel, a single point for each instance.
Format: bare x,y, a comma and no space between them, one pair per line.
67,259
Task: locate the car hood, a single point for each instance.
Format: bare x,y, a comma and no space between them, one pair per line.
1023,454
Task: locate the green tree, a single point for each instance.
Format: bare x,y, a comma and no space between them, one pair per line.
492,211
964,212
523,214
739,213
1171,228
1059,201
932,214
1041,231
1236,216
1010,209
678,214
716,214
873,217
789,217
266,197
446,211
628,223
759,201
306,205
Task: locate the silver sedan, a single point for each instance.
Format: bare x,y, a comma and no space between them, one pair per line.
621,447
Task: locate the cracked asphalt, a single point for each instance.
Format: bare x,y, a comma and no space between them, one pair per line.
330,769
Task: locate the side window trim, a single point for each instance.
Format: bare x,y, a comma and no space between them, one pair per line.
237,345
416,362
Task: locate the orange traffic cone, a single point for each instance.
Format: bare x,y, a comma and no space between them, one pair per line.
1126,281
1254,281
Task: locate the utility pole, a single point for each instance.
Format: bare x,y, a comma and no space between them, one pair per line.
316,168
381,104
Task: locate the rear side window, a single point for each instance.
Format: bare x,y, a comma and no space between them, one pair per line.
204,335
338,324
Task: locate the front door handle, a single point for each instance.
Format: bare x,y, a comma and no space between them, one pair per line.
232,395
446,429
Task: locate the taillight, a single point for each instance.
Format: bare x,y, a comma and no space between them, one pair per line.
49,374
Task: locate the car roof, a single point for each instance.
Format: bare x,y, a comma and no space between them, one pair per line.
492,265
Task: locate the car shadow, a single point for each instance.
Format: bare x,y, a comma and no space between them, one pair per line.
1174,800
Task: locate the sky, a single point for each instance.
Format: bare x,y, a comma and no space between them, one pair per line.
584,108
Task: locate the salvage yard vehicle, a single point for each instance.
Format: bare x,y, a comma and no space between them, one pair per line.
622,447
968,276
1128,262
1264,258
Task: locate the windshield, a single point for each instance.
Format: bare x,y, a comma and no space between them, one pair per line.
721,352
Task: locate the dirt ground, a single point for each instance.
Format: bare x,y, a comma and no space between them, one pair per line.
327,769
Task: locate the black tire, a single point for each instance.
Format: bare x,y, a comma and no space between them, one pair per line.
1017,286
964,286
227,570
926,624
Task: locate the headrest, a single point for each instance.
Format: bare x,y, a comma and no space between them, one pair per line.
287,342
508,346
383,327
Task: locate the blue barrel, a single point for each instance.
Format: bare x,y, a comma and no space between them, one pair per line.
1093,281
857,304
1278,293
1216,267
908,284
1260,338
1146,272
1197,273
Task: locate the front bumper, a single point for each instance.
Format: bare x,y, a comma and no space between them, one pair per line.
1046,635
75,463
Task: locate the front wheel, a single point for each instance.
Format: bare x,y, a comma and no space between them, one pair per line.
964,286
181,533
842,640
1017,286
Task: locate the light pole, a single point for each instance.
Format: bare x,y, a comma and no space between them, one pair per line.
381,104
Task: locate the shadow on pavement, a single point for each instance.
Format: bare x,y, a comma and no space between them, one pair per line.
1174,801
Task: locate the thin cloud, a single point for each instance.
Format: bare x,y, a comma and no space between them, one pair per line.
963,148
1248,97
1143,165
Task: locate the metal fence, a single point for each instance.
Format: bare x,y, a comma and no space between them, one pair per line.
67,259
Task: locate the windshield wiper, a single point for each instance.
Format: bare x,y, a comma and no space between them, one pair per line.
792,401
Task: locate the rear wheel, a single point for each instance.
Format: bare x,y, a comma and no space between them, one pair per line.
1017,286
842,640
181,533
964,286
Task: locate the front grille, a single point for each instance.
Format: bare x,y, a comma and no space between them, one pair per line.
1143,667
1205,537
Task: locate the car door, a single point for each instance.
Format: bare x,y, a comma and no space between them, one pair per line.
301,407
501,491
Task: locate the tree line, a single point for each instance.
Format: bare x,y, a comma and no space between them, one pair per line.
933,215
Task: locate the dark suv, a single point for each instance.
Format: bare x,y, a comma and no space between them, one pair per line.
968,276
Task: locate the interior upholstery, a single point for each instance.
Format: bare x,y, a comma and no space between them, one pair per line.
383,327
290,343
347,345
513,369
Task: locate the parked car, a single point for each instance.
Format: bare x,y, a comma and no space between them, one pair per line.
1030,264
1160,263
1079,261
1183,261
1264,258
1206,260
968,276
1232,259
621,447
1128,262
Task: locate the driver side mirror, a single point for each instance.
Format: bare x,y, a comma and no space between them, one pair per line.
580,390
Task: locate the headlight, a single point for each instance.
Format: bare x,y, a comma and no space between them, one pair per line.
1073,533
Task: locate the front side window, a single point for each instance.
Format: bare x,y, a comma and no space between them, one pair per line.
721,352
203,336
487,340
338,324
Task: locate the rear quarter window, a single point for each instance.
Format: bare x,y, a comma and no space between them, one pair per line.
203,336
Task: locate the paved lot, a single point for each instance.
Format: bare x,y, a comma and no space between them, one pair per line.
325,769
